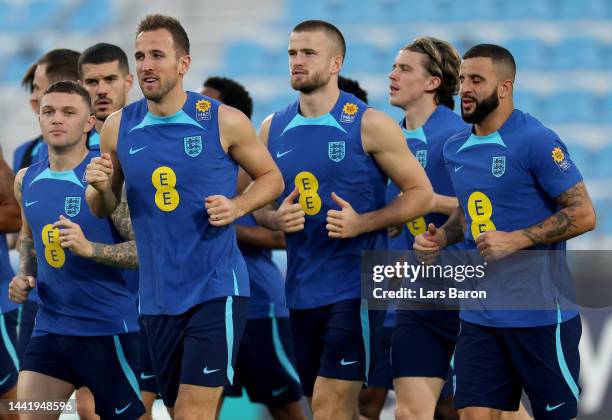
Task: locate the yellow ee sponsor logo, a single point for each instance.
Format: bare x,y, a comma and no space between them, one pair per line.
417,226
480,210
164,180
308,184
54,253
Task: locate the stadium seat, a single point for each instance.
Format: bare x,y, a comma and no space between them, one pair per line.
578,53
90,15
569,106
528,53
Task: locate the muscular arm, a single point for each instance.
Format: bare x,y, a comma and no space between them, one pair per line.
104,190
445,204
576,217
123,255
27,254
241,142
10,213
383,139
265,215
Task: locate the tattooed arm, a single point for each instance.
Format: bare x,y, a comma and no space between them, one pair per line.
25,281
576,217
121,255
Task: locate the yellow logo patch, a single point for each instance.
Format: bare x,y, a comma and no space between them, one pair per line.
203,105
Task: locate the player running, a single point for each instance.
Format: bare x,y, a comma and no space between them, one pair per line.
517,189
335,154
179,153
84,328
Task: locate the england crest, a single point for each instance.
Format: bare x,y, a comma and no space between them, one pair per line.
72,206
193,145
498,166
421,156
336,150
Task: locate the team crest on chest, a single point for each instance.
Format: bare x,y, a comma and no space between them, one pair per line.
203,110
336,150
349,110
72,206
421,156
193,145
498,166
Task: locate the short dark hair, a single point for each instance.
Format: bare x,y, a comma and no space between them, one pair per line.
104,53
231,93
328,28
352,86
27,82
172,25
443,61
67,86
500,56
62,64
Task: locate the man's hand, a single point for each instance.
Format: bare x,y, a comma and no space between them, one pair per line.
20,286
344,223
221,210
99,172
289,217
71,237
495,245
427,245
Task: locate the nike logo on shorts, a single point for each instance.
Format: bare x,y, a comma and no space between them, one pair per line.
207,371
277,392
345,363
119,411
549,408
144,377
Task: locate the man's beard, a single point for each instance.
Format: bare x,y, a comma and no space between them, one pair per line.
310,86
482,109
163,91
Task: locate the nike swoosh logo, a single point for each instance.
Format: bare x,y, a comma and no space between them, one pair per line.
3,381
208,372
280,155
134,151
343,363
277,392
549,408
458,168
144,377
117,411
28,204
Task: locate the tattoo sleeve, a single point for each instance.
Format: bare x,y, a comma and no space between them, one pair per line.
27,257
121,255
121,219
572,220
454,227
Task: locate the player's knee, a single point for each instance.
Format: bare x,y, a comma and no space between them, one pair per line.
329,408
414,411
